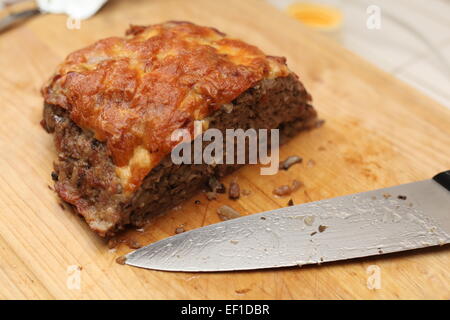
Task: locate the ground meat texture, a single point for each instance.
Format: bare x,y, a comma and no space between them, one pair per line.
86,173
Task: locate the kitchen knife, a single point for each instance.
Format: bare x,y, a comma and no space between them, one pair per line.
404,217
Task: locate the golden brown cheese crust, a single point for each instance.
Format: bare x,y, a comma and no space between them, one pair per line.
132,92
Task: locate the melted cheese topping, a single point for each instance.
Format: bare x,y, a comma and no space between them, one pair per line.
134,91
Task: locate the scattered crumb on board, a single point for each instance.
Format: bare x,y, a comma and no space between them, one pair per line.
290,161
234,191
286,190
242,291
121,260
179,229
226,213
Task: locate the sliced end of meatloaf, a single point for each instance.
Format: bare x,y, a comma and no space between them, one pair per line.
85,173
114,105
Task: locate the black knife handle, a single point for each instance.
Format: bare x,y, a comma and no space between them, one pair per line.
443,179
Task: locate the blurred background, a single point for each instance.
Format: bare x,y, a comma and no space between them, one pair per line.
407,38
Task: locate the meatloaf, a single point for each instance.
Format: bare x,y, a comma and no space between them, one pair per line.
113,106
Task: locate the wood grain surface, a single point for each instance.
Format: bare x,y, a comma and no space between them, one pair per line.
379,132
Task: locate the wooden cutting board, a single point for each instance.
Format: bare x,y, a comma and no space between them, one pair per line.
379,132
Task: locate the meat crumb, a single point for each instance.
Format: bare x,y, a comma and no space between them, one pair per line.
386,195
234,191
290,161
283,190
401,197
286,190
313,233
121,260
227,213
290,203
322,228
179,230
242,291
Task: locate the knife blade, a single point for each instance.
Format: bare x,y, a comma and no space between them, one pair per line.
399,218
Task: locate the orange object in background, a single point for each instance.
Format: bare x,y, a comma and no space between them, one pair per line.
318,16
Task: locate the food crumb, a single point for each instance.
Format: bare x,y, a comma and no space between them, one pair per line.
386,195
313,233
322,228
234,241
121,260
227,213
234,191
179,230
197,202
290,203
402,197
263,218
242,291
286,190
283,190
290,161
